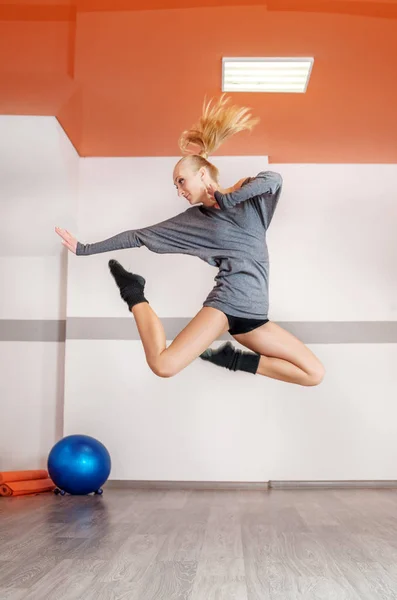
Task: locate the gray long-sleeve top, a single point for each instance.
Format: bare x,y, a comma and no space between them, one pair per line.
232,239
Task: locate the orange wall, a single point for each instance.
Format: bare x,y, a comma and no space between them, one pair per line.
126,83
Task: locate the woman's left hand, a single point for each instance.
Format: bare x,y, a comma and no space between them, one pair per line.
211,194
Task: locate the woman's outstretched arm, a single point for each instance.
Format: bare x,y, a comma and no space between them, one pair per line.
171,236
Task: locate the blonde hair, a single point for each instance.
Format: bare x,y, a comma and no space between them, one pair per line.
217,123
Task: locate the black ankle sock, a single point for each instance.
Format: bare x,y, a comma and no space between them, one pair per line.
131,286
234,360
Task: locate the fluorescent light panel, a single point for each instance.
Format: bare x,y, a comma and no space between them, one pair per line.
266,74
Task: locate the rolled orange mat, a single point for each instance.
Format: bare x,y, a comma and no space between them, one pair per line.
20,488
6,476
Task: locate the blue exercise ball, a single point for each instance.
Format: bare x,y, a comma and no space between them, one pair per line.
79,464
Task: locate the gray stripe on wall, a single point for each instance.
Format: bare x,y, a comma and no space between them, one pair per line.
103,328
318,332
33,330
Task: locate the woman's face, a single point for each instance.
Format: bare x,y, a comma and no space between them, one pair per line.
191,186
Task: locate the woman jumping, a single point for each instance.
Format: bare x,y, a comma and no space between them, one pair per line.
226,228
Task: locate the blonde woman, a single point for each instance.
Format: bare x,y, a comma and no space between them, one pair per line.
227,229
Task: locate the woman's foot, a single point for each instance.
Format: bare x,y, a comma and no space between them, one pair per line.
230,358
131,286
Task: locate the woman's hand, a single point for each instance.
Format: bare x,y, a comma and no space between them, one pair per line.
211,194
67,239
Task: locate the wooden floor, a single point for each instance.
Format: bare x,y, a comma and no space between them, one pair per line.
200,545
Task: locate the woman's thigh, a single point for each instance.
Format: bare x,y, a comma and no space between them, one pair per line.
273,341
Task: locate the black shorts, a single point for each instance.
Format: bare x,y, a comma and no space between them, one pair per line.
241,325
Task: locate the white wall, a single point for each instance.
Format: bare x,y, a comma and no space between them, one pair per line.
333,243
333,256
38,190
333,252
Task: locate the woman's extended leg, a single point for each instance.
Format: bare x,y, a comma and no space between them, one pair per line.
206,327
283,356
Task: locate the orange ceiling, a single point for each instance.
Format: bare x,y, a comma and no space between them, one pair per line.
125,77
